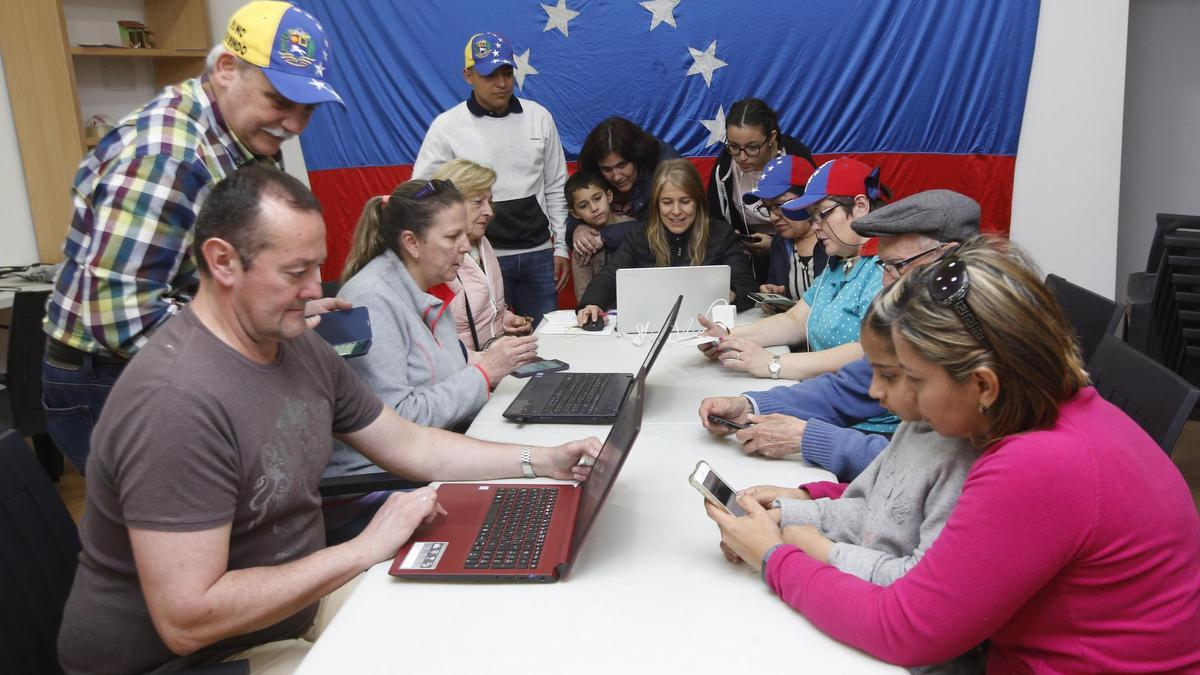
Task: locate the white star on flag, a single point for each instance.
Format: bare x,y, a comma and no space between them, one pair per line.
523,68
558,16
663,11
320,70
716,127
706,62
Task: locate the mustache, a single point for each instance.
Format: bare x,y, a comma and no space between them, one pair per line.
280,133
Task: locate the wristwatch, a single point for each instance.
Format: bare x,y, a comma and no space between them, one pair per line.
527,461
775,366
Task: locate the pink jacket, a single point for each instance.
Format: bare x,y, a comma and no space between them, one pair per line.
1075,548
484,289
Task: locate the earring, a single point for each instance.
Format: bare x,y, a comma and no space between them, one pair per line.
983,409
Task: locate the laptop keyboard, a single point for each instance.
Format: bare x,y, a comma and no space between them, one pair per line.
577,394
514,530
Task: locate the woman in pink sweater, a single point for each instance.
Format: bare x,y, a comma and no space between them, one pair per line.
480,311
1075,546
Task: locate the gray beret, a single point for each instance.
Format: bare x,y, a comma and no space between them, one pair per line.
941,215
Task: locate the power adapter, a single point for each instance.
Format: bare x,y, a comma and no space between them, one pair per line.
725,315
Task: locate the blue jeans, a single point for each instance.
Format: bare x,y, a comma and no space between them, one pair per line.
73,397
529,283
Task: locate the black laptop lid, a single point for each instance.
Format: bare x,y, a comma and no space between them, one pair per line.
608,464
663,334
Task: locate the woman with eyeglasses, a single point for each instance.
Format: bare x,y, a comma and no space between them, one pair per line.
796,255
480,311
625,156
679,232
826,319
408,247
1075,543
752,140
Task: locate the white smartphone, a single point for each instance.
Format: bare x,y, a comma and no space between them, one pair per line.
715,489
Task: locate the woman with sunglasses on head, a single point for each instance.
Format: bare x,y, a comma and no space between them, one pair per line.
1075,543
480,311
752,140
407,248
679,232
827,317
625,156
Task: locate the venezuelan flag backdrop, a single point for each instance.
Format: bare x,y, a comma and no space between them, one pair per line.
931,90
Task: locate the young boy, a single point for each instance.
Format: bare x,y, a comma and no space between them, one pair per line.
590,202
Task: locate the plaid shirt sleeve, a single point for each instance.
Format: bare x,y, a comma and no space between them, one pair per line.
138,260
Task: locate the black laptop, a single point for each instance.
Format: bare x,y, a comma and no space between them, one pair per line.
583,398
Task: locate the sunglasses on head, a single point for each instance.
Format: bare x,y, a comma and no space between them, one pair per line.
948,286
432,188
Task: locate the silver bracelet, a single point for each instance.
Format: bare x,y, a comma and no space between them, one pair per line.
527,461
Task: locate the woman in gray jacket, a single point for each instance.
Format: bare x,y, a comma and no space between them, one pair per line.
406,246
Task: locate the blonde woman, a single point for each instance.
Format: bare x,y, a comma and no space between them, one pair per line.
678,232
1074,546
480,311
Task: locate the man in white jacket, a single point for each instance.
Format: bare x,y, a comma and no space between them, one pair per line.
517,138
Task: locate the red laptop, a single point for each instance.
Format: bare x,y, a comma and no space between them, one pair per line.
514,532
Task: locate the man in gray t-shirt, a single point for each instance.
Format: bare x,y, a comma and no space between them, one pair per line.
203,533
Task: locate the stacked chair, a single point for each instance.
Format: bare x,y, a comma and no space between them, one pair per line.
1154,396
1165,300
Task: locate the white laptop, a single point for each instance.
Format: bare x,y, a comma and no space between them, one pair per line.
644,294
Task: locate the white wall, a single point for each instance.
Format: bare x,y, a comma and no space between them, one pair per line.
1160,164
1068,162
1067,184
18,246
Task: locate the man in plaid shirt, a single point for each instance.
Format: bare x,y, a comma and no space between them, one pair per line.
128,264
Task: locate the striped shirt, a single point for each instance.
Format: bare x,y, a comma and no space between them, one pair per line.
128,261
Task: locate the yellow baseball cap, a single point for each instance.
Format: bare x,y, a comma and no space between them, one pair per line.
290,47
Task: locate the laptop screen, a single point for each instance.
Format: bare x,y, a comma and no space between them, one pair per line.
604,472
661,340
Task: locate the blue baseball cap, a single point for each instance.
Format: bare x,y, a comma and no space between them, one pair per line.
778,176
290,47
486,52
842,177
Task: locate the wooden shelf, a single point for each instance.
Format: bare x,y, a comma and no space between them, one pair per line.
127,52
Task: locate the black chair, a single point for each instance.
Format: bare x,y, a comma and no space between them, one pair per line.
26,345
1159,400
39,547
1091,315
39,550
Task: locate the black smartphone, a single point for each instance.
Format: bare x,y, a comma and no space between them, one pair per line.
729,423
348,330
540,366
747,237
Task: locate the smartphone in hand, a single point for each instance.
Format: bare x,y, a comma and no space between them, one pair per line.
348,330
729,423
715,489
540,366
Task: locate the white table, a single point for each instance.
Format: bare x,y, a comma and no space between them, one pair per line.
649,592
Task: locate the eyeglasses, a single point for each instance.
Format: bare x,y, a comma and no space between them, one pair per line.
948,286
822,217
750,150
895,266
433,187
765,210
